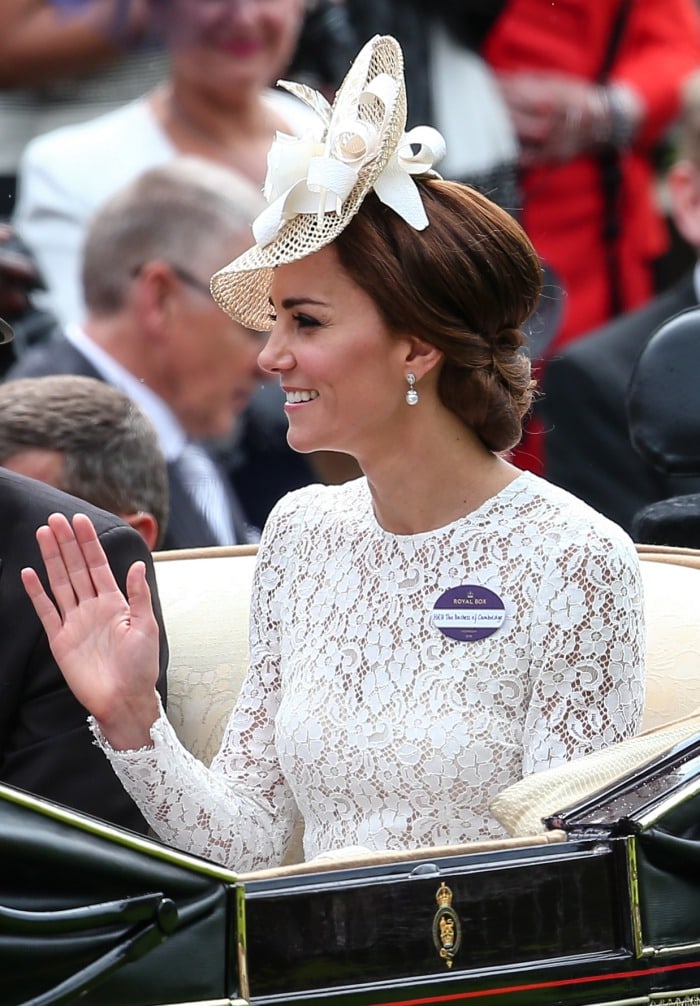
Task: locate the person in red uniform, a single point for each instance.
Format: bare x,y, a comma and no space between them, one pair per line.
568,109
592,87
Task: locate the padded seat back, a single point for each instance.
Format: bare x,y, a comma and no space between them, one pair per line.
664,425
662,401
671,580
205,595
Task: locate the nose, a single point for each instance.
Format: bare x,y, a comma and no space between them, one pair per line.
275,357
234,11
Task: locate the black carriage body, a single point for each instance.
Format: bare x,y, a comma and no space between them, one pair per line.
97,915
528,919
609,915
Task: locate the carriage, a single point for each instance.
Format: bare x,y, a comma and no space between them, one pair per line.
593,898
601,906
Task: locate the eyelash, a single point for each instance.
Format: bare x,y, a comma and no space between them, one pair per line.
305,321
302,320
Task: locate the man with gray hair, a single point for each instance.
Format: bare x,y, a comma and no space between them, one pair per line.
153,330
90,440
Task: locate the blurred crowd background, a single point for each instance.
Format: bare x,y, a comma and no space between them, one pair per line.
580,117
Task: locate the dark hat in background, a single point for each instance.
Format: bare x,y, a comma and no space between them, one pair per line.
16,261
6,333
19,276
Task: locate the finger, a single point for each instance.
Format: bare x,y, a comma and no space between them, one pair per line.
94,555
531,128
59,580
43,605
75,564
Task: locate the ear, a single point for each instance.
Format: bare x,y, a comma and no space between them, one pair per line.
146,525
422,356
155,295
683,183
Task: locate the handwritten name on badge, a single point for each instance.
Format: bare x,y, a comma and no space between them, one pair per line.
468,612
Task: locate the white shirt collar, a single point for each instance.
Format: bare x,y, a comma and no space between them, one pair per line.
171,435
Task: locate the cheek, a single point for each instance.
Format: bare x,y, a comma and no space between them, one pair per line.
191,27
282,26
231,361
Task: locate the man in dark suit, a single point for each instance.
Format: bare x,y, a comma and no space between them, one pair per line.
588,449
45,743
153,330
113,460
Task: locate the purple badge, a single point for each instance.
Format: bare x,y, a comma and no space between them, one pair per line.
468,612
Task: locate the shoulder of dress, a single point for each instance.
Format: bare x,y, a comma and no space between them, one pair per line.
317,503
70,138
567,519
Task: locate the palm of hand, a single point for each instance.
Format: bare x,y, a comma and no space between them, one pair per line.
105,644
104,653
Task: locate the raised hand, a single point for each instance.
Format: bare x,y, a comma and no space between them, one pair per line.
558,117
105,644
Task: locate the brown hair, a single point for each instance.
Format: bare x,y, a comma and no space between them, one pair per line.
466,284
111,453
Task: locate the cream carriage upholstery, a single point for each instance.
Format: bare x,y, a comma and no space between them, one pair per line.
205,594
672,609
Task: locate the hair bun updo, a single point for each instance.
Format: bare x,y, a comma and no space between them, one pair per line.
466,284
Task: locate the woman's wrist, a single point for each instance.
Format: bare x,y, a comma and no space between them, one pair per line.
129,727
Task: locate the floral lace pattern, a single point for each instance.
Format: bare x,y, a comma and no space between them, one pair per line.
363,718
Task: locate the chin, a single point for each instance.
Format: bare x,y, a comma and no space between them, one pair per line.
305,445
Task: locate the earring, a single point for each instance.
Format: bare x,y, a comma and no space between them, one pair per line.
411,394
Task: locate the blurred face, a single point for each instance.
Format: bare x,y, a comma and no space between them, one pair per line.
47,465
233,44
683,184
210,367
40,463
343,372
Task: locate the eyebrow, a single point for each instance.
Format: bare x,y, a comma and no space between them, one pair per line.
291,302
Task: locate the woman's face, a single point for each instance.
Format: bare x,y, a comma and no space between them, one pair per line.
343,372
237,44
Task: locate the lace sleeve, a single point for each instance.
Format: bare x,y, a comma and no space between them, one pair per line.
588,654
240,812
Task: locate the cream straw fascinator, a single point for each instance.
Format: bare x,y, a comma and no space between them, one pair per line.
316,182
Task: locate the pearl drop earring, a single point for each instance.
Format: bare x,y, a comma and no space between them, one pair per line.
411,394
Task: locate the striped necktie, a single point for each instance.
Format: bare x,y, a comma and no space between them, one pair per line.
203,483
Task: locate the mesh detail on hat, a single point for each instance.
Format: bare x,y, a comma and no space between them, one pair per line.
242,288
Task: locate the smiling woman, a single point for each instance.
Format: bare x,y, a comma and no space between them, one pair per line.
423,636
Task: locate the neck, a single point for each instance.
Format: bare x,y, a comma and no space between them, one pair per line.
122,340
197,124
420,488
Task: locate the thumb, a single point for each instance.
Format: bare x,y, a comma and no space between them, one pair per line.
138,595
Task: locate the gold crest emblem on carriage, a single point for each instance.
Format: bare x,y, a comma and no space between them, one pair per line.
447,931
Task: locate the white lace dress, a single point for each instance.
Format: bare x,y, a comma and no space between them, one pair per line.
361,715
